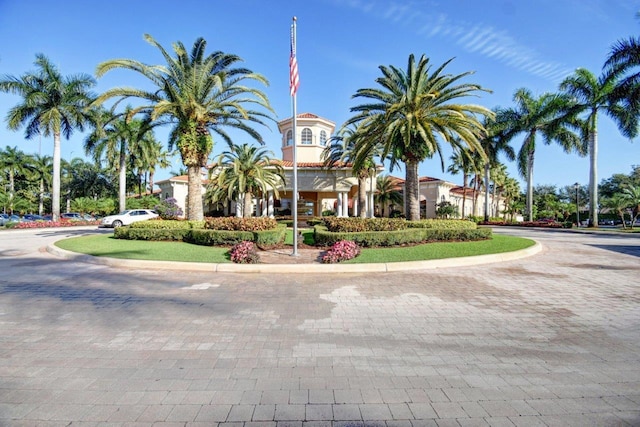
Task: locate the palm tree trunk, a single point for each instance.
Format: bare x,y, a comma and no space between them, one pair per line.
194,196
55,182
151,183
246,205
122,180
412,189
41,198
362,195
530,185
593,175
486,192
465,183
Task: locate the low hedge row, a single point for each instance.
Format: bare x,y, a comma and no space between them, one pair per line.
262,238
444,224
324,237
240,224
200,236
168,224
354,224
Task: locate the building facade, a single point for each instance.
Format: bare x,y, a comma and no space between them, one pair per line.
320,189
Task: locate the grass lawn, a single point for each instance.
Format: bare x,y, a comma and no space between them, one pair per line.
106,245
498,244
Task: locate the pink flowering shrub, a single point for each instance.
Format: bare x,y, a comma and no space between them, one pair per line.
341,251
244,252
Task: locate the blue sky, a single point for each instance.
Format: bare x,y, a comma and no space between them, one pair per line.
508,43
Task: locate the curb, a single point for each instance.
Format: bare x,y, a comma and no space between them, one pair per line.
298,268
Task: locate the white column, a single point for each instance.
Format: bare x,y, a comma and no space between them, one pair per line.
371,206
356,205
238,209
270,204
263,202
339,210
345,204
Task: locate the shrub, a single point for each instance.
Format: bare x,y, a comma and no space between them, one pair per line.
240,224
353,224
168,224
244,253
168,209
341,251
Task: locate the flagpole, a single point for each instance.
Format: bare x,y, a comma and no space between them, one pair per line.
294,89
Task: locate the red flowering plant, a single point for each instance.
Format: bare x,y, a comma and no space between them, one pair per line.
244,253
341,251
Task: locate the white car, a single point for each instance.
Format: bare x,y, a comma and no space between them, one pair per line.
127,217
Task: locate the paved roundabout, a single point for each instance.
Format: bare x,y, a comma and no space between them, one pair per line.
550,339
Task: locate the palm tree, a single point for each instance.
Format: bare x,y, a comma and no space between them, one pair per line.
16,163
409,114
340,152
512,195
197,95
493,143
594,94
52,104
245,171
624,62
461,162
387,192
114,137
42,172
632,195
617,203
551,116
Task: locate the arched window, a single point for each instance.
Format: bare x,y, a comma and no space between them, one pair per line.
289,138
323,138
307,136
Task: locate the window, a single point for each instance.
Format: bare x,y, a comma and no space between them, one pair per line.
289,138
323,138
306,136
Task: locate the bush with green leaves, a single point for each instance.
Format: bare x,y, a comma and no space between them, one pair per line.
240,224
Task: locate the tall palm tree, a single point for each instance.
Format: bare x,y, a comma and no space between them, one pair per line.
245,170
341,151
42,172
493,144
512,196
197,94
156,157
114,137
387,192
624,62
592,95
52,104
551,116
411,112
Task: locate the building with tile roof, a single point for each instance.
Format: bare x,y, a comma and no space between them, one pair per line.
321,189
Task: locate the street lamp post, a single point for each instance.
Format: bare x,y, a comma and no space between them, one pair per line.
577,187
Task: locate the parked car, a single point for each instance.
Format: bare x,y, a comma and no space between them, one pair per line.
32,217
127,217
73,216
4,218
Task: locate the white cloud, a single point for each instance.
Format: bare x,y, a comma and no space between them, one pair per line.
479,39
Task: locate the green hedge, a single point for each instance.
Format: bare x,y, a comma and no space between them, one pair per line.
168,224
262,238
156,234
448,224
323,237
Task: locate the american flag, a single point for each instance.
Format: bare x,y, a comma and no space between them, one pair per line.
294,79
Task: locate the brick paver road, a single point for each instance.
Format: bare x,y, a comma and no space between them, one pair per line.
551,340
